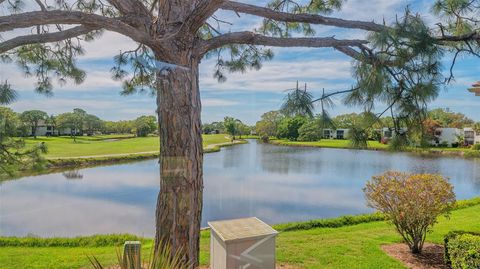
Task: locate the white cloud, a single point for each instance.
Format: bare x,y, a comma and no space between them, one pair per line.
96,80
277,76
215,102
107,46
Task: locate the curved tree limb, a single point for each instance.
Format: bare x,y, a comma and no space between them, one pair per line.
34,18
44,38
258,39
301,17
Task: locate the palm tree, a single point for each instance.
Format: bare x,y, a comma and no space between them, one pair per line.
7,94
298,102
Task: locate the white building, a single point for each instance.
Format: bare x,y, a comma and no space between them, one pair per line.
46,129
470,136
447,136
388,133
335,133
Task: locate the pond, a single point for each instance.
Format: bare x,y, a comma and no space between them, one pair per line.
275,183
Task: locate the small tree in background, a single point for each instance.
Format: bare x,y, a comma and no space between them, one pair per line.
412,202
231,126
145,125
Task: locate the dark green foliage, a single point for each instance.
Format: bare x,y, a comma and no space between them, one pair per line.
398,142
358,137
13,154
310,131
462,250
476,147
288,127
81,241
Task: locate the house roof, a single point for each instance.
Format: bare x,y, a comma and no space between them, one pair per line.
475,88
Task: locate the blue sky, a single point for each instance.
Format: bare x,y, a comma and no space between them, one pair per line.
244,96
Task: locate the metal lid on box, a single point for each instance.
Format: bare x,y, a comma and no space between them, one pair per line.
241,229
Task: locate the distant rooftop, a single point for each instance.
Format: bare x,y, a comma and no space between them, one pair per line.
475,88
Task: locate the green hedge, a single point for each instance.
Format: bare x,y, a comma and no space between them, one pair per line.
355,219
80,241
462,250
330,223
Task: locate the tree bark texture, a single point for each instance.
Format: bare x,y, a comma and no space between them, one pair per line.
179,205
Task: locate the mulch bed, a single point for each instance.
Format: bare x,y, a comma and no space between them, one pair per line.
430,258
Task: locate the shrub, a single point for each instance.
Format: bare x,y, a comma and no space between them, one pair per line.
310,131
476,147
412,202
288,127
398,142
462,250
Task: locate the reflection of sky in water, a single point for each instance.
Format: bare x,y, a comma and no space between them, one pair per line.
276,184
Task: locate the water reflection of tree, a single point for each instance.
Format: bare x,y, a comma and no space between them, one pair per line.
72,174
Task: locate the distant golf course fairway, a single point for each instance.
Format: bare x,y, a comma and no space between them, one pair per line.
86,146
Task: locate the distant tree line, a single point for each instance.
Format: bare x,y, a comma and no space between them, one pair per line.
232,126
298,125
75,123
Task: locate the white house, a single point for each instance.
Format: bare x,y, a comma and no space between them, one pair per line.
335,133
470,136
447,136
43,129
388,133
46,129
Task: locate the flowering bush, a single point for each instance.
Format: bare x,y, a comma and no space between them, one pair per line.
412,202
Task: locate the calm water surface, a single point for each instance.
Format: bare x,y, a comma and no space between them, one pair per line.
275,183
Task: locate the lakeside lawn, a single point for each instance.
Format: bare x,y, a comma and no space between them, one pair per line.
64,146
328,143
354,246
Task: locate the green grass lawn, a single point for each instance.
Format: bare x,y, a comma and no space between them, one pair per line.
329,143
64,146
354,246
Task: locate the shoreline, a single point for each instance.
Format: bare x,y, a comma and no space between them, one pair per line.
332,223
431,152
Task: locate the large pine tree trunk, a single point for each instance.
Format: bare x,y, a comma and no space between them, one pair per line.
179,204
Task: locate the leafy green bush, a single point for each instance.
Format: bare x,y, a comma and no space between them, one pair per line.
412,202
310,131
462,250
288,127
476,147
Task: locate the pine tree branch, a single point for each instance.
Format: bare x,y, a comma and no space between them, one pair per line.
258,39
34,18
300,17
44,38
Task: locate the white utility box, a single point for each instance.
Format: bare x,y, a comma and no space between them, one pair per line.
242,243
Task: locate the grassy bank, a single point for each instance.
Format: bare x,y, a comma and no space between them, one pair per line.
331,243
327,143
87,151
375,145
